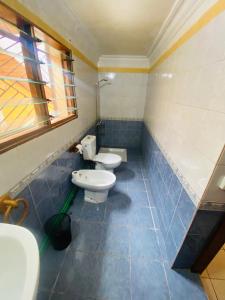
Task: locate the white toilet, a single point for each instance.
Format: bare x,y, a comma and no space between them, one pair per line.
104,161
96,184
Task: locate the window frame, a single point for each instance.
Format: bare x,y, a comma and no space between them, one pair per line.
25,25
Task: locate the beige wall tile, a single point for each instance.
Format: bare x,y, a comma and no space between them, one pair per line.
219,287
185,107
207,285
216,268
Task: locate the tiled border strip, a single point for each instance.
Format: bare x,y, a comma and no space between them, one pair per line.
30,177
212,206
193,196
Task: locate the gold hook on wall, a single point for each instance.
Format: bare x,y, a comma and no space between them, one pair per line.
7,205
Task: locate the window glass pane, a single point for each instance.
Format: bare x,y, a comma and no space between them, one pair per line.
52,73
18,111
58,77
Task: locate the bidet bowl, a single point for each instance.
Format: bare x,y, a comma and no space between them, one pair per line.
94,180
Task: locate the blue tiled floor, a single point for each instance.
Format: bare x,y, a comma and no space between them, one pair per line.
117,252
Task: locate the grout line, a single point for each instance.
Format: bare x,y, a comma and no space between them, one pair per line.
60,269
147,193
212,278
170,225
214,289
129,237
35,207
167,282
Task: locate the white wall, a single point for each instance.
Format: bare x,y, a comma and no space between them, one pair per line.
125,97
185,106
20,161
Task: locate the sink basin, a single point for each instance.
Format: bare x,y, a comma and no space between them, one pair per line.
19,263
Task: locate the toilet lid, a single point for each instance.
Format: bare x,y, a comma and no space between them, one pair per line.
107,158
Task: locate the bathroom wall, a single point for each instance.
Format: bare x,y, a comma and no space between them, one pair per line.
184,131
120,134
124,98
174,207
60,17
22,160
185,107
210,214
47,192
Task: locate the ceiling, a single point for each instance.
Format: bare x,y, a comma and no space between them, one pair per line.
122,27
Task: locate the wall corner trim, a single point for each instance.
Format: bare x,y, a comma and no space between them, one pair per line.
207,17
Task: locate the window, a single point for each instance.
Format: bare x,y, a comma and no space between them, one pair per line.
37,90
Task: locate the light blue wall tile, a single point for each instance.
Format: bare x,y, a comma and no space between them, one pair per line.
186,209
123,134
177,230
173,206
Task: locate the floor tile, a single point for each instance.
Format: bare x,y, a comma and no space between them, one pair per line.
116,249
95,276
119,186
184,285
87,237
119,200
219,287
208,287
143,243
68,296
141,216
114,240
76,208
128,174
148,280
114,282
93,212
216,268
155,217
43,295
138,198
116,216
162,245
50,265
117,209
137,185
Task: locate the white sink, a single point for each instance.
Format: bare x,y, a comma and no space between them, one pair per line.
19,263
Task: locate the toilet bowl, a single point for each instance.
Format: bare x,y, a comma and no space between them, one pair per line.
96,184
104,161
107,161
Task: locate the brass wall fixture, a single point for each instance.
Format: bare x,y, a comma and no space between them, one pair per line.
7,205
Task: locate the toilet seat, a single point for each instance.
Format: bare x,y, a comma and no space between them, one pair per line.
109,160
96,180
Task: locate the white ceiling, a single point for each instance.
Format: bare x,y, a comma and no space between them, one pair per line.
122,27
